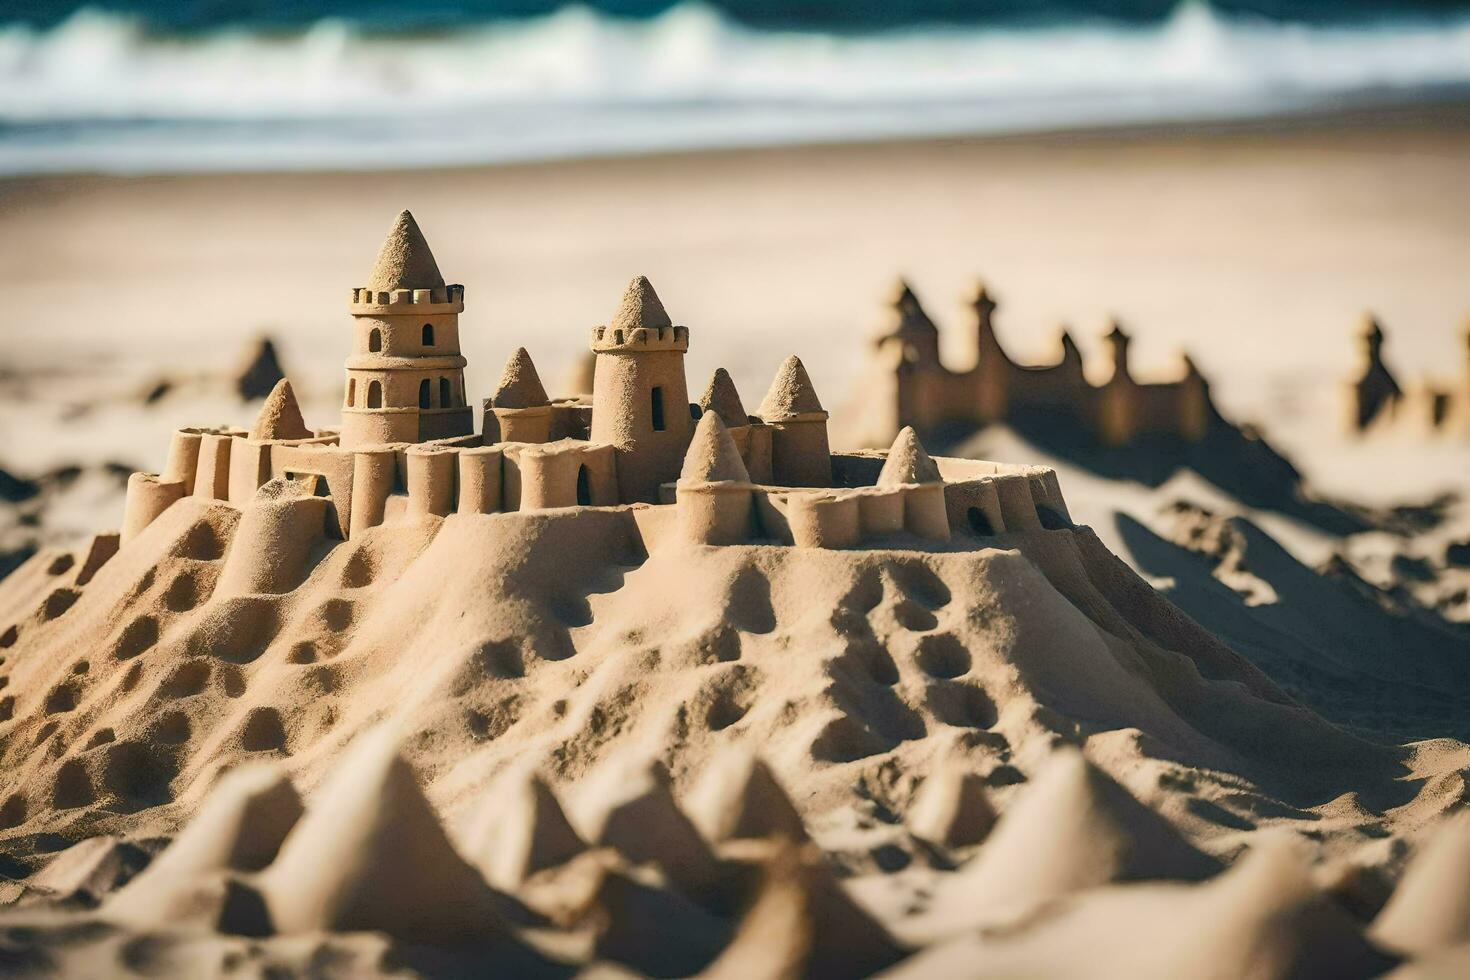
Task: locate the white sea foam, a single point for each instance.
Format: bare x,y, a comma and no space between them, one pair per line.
98,92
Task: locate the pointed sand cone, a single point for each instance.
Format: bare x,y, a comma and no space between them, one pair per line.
405,260
712,456
520,830
951,808
240,827
907,462
1430,908
640,307
1264,918
280,416
520,385
626,804
739,797
1071,829
803,914
370,854
791,393
722,399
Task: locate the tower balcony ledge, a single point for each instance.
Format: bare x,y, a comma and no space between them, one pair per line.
380,362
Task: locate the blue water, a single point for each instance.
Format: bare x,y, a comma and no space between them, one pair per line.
134,86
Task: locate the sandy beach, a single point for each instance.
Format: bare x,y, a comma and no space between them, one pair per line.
690,694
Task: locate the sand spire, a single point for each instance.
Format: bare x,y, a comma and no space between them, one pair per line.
791,393
405,260
712,456
520,385
240,827
280,416
626,804
908,463
722,398
1072,828
1430,908
370,854
521,829
640,307
951,808
739,797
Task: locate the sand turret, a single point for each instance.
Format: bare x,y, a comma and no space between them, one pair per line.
909,325
519,410
405,377
800,453
1118,399
640,401
714,492
909,467
280,416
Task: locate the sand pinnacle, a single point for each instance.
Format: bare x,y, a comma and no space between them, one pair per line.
405,260
791,393
722,399
712,456
908,462
520,385
280,416
640,307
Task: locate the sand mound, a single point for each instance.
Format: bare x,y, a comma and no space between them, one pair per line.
640,307
791,393
722,399
405,260
280,416
520,385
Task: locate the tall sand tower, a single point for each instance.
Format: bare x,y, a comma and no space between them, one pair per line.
405,376
640,404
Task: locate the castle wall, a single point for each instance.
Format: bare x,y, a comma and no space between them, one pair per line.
716,513
148,496
974,504
479,480
374,475
431,480
550,475
212,477
823,520
527,425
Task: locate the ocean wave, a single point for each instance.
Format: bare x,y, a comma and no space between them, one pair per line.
100,91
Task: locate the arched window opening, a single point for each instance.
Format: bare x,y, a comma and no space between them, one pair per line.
694,411
584,487
424,394
375,394
979,523
375,340
351,391
428,335
658,409
446,398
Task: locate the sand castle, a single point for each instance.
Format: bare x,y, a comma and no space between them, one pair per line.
907,384
1373,399
707,472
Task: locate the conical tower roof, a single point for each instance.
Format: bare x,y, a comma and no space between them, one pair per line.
280,416
791,393
640,307
405,260
722,398
520,385
712,456
739,798
908,462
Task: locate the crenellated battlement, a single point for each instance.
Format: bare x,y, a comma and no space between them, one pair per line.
612,340
366,301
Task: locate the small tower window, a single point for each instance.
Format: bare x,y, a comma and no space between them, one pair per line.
584,487
424,399
375,394
446,399
351,391
375,340
428,335
658,409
